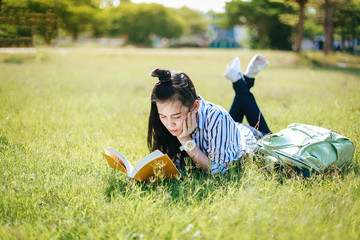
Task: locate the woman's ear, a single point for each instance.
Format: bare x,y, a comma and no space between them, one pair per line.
196,105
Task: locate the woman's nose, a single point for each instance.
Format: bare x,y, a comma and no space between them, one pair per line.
170,122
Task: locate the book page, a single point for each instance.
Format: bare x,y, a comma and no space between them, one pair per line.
161,168
154,155
128,165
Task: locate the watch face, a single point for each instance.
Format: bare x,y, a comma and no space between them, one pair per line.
190,145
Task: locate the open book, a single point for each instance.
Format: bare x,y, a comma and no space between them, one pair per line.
156,165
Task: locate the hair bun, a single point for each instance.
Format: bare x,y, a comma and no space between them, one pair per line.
162,74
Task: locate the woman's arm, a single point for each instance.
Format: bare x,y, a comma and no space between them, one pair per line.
197,155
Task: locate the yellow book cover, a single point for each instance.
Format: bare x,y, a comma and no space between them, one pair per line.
154,165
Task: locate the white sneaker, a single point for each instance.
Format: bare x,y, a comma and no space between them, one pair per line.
256,64
233,70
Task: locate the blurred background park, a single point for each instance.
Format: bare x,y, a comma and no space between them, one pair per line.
295,25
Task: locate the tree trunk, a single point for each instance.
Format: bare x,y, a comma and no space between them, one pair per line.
328,25
300,35
353,42
262,35
353,35
343,42
75,34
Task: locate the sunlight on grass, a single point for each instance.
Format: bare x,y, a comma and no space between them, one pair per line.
61,107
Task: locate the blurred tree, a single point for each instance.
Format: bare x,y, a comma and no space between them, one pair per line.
312,28
328,26
100,25
14,4
77,15
300,35
196,22
262,17
138,22
29,18
48,21
340,16
300,23
110,3
347,21
74,16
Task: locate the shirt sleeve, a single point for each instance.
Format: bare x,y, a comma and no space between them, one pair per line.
223,144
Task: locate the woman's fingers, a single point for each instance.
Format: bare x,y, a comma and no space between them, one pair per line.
193,118
189,123
188,120
185,125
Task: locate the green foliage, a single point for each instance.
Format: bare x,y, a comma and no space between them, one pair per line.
347,19
8,31
280,36
76,16
312,29
14,3
30,18
196,22
101,23
262,17
345,16
140,21
61,107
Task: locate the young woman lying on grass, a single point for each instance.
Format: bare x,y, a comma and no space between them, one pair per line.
182,123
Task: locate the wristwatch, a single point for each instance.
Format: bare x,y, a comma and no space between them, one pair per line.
188,146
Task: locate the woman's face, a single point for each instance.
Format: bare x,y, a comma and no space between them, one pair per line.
172,115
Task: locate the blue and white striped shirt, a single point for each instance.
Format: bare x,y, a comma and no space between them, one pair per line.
221,138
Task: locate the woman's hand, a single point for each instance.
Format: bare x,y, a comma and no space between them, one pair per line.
189,126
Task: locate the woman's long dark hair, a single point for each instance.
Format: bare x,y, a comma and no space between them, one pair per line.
171,86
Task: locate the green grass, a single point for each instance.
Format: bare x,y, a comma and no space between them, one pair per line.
60,108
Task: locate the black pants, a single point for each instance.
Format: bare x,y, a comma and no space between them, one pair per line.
244,104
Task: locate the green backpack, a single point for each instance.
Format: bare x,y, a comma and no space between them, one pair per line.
307,148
